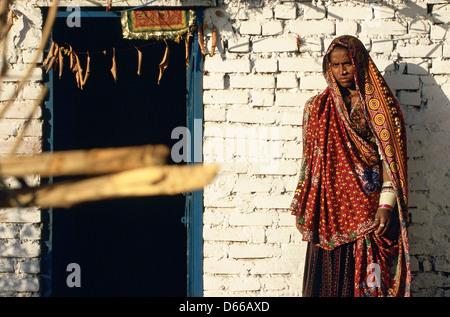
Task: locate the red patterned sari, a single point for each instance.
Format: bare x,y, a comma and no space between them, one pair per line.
339,187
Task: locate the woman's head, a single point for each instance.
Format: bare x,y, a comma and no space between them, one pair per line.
349,56
341,66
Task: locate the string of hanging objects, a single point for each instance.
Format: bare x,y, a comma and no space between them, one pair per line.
57,53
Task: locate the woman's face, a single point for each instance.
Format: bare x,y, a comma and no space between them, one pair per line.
341,67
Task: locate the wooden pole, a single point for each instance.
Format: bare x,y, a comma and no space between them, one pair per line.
84,162
140,182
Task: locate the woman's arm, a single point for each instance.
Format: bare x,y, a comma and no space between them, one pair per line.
386,204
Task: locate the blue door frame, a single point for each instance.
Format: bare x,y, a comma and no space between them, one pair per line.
194,200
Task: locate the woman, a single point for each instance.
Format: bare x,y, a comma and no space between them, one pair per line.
351,200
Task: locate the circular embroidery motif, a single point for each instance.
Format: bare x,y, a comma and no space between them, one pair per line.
385,135
400,183
389,150
379,119
373,159
362,73
360,56
374,104
369,89
394,167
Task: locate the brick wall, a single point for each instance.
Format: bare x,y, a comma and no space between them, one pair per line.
255,87
20,228
268,63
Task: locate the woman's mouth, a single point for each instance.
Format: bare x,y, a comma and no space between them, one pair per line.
346,81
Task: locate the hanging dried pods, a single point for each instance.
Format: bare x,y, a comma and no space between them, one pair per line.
54,56
78,72
164,63
186,45
61,61
49,54
139,60
213,40
88,69
201,41
114,66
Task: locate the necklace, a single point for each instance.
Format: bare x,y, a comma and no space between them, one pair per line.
348,99
354,94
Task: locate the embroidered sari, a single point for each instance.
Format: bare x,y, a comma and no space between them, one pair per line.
341,173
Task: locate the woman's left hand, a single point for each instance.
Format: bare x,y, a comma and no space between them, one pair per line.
299,226
382,219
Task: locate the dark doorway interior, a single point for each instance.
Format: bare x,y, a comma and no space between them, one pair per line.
127,247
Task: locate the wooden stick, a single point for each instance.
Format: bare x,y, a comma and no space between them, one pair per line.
141,182
84,162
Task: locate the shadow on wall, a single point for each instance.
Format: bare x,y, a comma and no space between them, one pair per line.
426,110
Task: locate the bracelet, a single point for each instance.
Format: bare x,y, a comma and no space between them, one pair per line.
389,207
387,190
388,199
387,184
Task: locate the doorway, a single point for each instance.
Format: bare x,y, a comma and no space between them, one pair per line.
126,247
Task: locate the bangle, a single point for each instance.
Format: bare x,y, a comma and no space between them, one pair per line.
387,199
387,184
387,190
389,207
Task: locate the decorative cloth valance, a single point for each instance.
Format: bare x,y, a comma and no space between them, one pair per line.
157,24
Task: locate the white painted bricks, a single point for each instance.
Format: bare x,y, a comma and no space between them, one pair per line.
347,12
225,97
266,65
313,27
14,75
216,64
299,64
252,81
370,28
285,44
311,12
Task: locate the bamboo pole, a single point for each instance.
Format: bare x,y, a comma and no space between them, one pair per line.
84,162
140,182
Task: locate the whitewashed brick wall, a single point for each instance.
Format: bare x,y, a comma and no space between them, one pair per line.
268,63
20,228
255,87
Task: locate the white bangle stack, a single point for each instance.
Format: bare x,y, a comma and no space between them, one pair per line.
387,196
